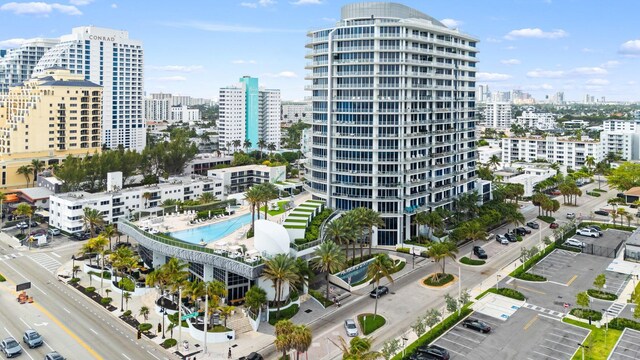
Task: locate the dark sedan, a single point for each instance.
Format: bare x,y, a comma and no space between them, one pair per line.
522,231
479,252
379,291
601,212
476,325
511,237
431,352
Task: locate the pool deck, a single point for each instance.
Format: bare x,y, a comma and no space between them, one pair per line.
179,222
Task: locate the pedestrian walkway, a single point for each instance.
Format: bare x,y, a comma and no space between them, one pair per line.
615,309
45,261
544,311
10,256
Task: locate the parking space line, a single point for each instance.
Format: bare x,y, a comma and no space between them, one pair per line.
532,290
621,354
559,343
572,279
572,333
534,319
453,342
464,337
556,350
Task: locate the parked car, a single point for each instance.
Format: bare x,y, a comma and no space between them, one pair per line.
56,356
588,232
574,242
502,239
252,356
479,252
22,225
596,228
32,338
511,237
522,231
379,291
350,327
491,236
554,225
54,232
533,225
435,351
10,347
476,325
34,223
571,215
556,192
80,236
601,212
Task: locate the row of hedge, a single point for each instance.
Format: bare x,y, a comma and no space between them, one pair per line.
593,193
312,232
547,219
586,314
602,295
607,226
507,292
434,333
467,261
622,323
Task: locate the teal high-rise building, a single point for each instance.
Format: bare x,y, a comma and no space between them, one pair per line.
252,100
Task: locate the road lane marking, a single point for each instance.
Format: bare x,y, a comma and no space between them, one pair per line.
532,290
69,332
46,343
56,255
535,318
19,273
572,279
128,358
65,309
24,350
93,331
149,352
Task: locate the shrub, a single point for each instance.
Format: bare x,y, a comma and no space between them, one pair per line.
600,190
126,313
521,271
169,343
431,280
467,261
90,289
531,277
74,280
2,279
547,219
621,323
105,275
318,296
145,327
127,285
105,301
403,250
510,293
585,313
313,230
593,193
285,314
21,236
602,295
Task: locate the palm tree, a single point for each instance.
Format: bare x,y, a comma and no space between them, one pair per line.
271,147
247,145
434,221
283,331
440,252
340,232
88,249
590,162
109,232
494,161
146,196
328,259
380,267
302,338
473,231
216,290
92,218
514,217
194,290
280,269
178,274
261,145
357,349
24,209
123,259
144,312
206,198
253,197
100,246
629,217
225,312
126,296
537,199
236,144
369,219
25,170
267,192
37,166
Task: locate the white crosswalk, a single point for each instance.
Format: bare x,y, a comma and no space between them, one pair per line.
10,256
47,262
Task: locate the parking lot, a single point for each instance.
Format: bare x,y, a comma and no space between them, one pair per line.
627,347
606,245
536,337
554,266
41,228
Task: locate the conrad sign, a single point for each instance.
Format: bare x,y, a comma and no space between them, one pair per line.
102,38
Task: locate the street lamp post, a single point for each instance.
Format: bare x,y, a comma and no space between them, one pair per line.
606,327
179,317
498,276
404,341
163,310
459,288
206,315
582,346
73,265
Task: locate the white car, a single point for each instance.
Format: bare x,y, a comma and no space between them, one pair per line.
574,242
571,216
502,239
350,327
588,232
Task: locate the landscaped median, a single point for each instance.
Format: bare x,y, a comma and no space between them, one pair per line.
510,293
597,346
370,323
467,261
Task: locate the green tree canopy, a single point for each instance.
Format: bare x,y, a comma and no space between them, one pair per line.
626,176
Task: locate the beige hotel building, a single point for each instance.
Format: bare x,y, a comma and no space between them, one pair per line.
48,117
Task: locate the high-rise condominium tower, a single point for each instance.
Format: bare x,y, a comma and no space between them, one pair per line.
249,113
393,94
16,65
109,58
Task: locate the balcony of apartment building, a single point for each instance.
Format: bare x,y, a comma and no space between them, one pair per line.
188,191
117,202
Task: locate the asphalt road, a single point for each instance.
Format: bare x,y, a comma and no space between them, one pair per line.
409,300
70,323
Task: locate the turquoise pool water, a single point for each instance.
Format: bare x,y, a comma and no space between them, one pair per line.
356,273
212,232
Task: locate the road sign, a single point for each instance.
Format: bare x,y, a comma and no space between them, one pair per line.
23,286
189,316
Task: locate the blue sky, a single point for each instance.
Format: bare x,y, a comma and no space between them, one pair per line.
195,47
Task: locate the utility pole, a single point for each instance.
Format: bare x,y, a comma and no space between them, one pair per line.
206,315
179,317
459,288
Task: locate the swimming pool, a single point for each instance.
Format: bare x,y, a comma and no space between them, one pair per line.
355,273
212,232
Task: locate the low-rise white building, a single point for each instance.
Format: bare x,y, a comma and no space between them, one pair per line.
204,162
240,178
486,152
184,113
568,152
535,120
66,210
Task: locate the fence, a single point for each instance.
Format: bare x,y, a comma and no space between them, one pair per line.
598,250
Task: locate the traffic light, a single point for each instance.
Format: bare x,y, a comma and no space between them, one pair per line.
139,334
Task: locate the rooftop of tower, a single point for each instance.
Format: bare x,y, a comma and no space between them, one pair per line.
383,10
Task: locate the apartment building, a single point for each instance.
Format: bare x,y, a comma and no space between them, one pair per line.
239,179
111,59
204,162
16,65
184,113
393,114
565,151
536,120
53,115
66,209
621,137
293,112
497,115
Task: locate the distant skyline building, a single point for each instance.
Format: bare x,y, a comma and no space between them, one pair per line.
111,59
16,65
394,120
249,113
497,114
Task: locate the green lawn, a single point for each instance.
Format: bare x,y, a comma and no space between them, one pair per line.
285,314
596,341
371,324
281,208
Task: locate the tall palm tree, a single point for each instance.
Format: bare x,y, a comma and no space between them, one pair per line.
225,312
252,196
261,145
514,217
280,269
24,209
236,144
590,162
271,147
302,338
194,290
494,161
216,290
283,331
126,296
340,232
37,166
268,192
440,252
88,249
146,196
178,275
473,231
123,259
92,218
100,246
328,259
247,145
158,277
109,232
380,267
369,219
434,221
357,349
206,198
25,170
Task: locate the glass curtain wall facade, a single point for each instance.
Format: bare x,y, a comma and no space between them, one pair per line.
393,125
251,113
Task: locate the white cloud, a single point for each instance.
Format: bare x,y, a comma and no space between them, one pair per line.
610,64
489,77
588,71
631,47
169,78
215,27
114,6
535,33
452,23
39,8
510,61
328,19
249,5
549,74
262,3
240,61
597,82
282,74
538,87
12,43
307,2
577,72
80,2
493,40
176,68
